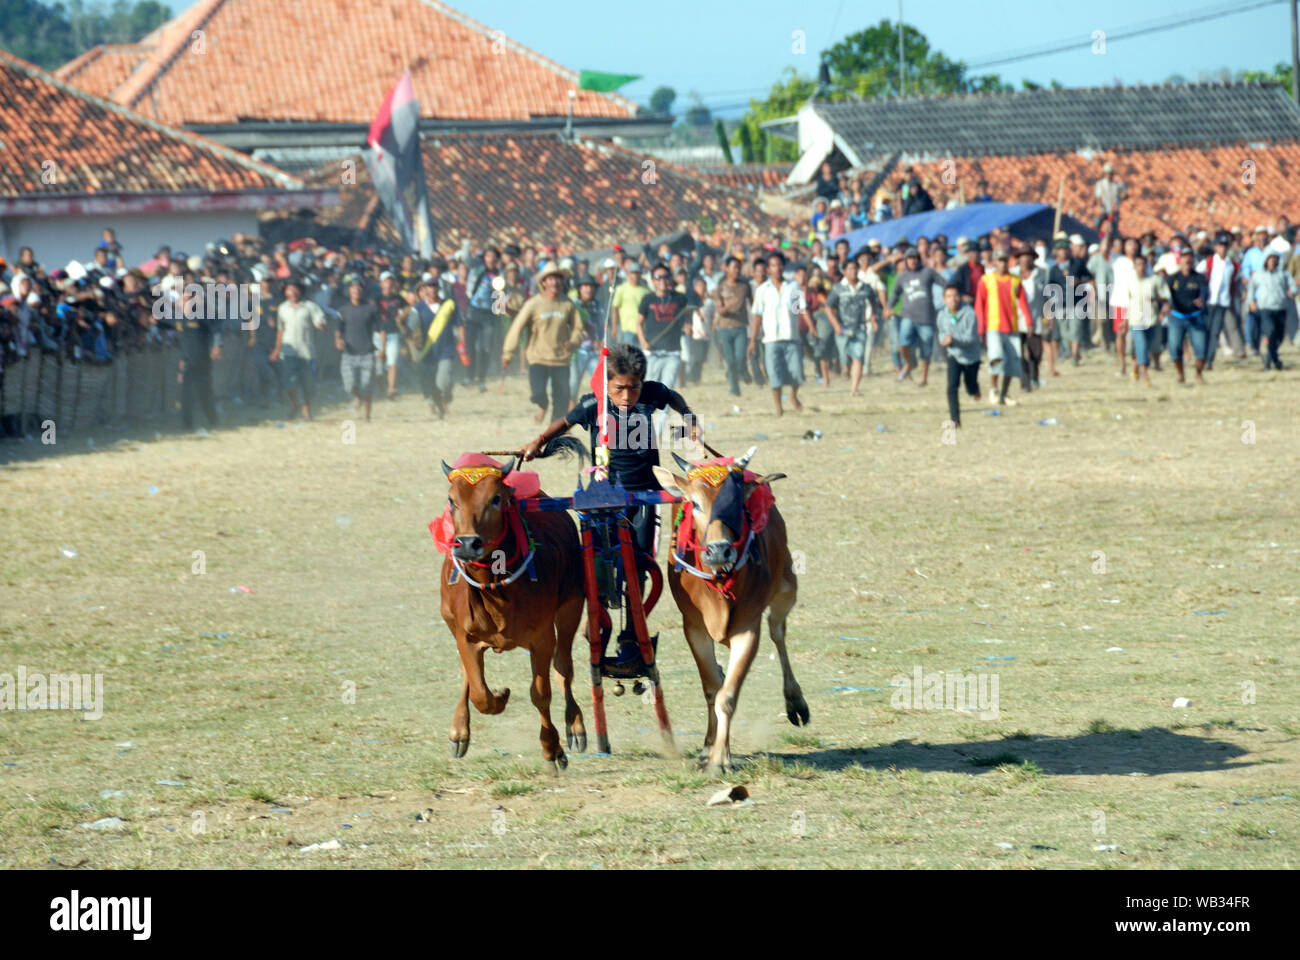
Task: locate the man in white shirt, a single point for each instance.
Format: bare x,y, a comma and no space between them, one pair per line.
1123,290
1221,277
778,308
1148,299
295,320
1109,193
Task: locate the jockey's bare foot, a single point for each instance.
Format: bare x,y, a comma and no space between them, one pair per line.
797,405
540,415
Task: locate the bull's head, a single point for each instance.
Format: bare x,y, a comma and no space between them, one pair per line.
477,497
717,494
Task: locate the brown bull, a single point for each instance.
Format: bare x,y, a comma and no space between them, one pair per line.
724,573
499,591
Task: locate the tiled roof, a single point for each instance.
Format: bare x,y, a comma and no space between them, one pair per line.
540,188
1242,185
335,61
1041,121
81,144
104,67
749,176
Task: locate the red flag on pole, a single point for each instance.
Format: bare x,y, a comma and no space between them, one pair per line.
600,387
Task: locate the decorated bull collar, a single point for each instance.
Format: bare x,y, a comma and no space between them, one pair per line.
473,475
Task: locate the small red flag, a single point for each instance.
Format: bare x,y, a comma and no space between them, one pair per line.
600,387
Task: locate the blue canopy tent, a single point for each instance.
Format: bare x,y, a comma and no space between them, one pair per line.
1024,221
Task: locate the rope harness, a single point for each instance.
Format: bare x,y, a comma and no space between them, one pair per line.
514,524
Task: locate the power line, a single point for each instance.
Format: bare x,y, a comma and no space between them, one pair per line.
1015,56
1125,33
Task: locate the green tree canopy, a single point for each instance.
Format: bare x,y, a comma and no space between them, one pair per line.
661,101
49,35
865,65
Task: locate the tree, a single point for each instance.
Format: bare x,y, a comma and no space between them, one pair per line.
784,100
721,133
35,32
661,101
1280,74
866,64
698,114
51,35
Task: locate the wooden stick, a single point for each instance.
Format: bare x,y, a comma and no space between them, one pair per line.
1060,198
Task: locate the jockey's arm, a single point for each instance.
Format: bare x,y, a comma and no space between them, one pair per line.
556,428
678,403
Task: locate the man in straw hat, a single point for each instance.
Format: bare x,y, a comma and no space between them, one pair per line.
555,331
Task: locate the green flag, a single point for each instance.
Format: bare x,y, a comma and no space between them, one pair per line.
604,82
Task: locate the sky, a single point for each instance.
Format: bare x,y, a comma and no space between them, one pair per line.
730,51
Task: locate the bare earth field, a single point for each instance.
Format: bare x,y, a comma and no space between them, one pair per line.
1145,520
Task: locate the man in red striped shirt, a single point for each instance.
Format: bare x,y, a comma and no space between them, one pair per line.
1003,314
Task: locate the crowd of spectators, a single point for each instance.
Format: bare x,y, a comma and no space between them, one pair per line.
298,312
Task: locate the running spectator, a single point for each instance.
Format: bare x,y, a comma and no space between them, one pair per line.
555,331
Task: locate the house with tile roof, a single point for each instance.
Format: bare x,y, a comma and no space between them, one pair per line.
544,188
284,75
1206,154
72,163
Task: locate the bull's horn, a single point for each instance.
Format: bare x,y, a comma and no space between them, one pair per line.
510,465
683,465
743,462
446,469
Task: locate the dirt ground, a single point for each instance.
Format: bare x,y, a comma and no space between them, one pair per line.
1143,548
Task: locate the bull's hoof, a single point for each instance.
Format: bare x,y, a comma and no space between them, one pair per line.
578,742
714,771
602,743
559,763
797,711
459,748
502,697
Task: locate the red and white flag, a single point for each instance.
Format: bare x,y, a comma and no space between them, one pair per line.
600,387
396,167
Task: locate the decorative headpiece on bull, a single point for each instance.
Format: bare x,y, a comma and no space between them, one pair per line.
477,506
718,492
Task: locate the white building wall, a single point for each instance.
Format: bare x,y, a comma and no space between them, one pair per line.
56,240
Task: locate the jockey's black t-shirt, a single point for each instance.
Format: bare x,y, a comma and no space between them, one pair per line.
633,447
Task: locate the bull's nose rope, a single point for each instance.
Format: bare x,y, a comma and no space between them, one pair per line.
495,584
704,574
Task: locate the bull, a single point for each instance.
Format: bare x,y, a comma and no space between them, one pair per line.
730,562
510,582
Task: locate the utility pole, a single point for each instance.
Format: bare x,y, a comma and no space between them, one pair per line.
1295,54
902,75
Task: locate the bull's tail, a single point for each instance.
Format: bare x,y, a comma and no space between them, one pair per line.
565,447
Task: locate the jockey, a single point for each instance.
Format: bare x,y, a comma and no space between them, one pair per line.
633,446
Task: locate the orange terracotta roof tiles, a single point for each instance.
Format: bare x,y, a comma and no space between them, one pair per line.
1168,190
57,140
335,60
750,176
539,188
104,67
